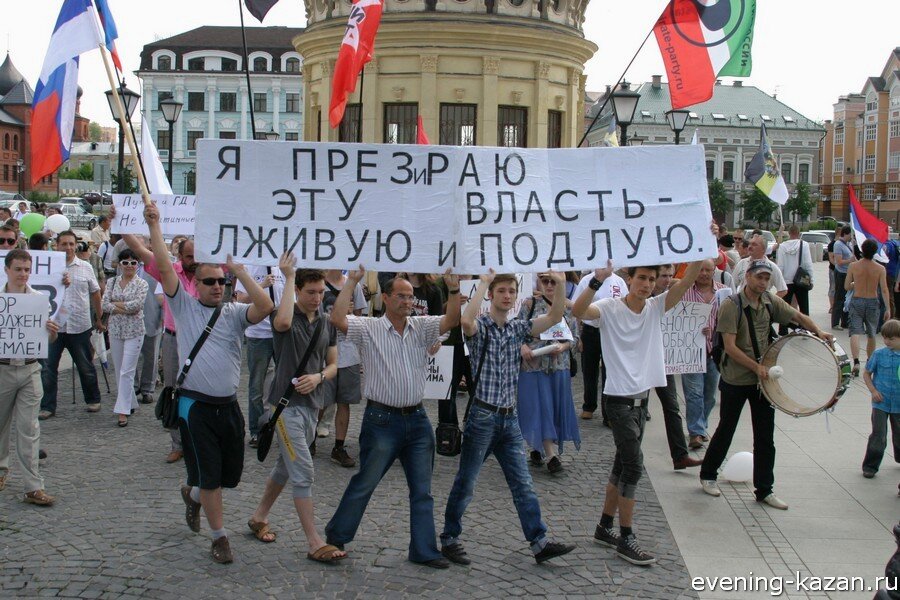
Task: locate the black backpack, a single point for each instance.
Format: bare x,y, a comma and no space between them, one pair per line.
718,349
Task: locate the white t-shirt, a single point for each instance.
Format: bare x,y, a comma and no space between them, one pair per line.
263,329
613,287
740,273
632,345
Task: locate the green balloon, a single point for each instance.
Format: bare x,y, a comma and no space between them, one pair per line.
31,224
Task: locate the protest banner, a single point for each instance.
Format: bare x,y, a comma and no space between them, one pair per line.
426,208
467,289
683,339
47,269
176,214
439,373
23,326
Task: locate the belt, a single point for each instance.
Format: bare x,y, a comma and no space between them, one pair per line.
495,409
632,402
399,410
169,331
6,361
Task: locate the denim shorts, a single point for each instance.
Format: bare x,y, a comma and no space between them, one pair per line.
864,314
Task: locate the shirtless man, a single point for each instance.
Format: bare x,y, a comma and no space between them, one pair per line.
864,277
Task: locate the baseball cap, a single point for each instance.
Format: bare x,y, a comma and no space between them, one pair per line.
759,265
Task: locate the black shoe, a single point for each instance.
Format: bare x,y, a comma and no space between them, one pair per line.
552,550
437,563
191,510
554,465
340,456
629,549
254,441
606,536
536,459
606,422
456,553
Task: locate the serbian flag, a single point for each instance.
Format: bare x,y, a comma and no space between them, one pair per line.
865,224
356,51
53,110
762,171
702,39
421,136
109,30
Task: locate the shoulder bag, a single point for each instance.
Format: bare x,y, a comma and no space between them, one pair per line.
447,434
802,278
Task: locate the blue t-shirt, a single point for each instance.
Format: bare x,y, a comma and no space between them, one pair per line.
842,250
893,254
884,365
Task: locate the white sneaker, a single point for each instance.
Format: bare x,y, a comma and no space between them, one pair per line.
775,502
322,431
710,487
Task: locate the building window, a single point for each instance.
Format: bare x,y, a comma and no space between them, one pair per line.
196,100
260,64
400,122
292,103
554,129
162,140
893,192
710,169
164,63
838,193
870,162
349,129
259,101
803,173
196,64
229,64
895,128
15,174
6,142
868,193
786,172
228,101
5,172
839,136
227,135
318,124
192,138
292,65
260,136
512,127
871,132
872,105
16,143
457,126
839,164
728,170
160,96
291,136
894,161
859,137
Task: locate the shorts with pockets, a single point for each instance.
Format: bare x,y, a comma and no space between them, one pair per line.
212,437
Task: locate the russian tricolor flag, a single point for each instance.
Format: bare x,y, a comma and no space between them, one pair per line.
53,110
865,224
109,30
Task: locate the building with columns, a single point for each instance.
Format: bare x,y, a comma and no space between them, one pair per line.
203,68
487,73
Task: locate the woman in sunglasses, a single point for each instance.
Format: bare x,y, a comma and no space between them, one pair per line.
546,408
123,301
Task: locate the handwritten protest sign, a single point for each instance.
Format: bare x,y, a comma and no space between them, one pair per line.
439,373
47,270
683,339
425,208
467,289
23,323
176,214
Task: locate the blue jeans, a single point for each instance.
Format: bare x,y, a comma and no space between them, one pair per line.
700,397
487,432
383,438
79,347
259,352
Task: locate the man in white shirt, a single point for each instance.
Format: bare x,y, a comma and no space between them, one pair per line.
100,233
21,212
758,252
791,255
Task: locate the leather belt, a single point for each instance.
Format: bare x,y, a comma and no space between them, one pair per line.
169,331
495,409
399,410
632,402
6,361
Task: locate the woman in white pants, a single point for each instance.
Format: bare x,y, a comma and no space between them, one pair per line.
123,301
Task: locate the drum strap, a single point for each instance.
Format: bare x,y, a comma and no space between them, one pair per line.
751,327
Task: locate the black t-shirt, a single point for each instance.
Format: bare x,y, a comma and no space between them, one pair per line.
830,250
429,301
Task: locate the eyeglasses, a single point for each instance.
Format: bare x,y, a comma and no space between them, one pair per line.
547,281
213,280
404,297
131,263
10,241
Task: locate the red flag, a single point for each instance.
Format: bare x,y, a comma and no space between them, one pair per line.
421,136
356,51
865,224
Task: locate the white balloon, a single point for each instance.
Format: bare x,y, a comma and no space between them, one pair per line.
57,223
776,372
739,467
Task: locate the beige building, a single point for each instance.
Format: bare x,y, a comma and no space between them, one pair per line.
494,73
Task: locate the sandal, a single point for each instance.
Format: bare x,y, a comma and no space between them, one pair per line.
326,554
262,531
39,498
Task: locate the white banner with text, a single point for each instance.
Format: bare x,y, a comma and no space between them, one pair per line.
176,214
23,326
683,338
47,269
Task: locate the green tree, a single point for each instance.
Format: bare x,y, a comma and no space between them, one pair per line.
757,207
85,172
130,185
95,132
718,199
800,204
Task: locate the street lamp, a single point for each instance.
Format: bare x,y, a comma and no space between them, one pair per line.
272,135
878,206
625,102
130,101
171,109
677,120
20,169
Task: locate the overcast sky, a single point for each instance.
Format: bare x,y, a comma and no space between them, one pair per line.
808,52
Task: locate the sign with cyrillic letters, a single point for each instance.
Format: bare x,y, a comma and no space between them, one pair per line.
47,269
23,326
683,338
423,209
176,214
439,374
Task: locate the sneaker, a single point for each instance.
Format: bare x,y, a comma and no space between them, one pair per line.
191,509
39,498
696,442
322,431
630,550
606,536
340,456
711,487
254,441
45,414
868,474
775,502
554,465
455,553
536,459
221,551
553,550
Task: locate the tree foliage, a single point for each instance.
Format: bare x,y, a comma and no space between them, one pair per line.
718,198
95,132
757,207
129,181
83,173
800,204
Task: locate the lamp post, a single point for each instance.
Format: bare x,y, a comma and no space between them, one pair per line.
625,101
272,135
20,170
677,120
878,206
171,109
130,101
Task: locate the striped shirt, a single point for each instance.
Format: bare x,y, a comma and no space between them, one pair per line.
694,295
77,300
498,382
394,363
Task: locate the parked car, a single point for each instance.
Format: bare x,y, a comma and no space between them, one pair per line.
94,198
829,233
84,204
4,196
817,237
837,222
77,216
13,204
770,243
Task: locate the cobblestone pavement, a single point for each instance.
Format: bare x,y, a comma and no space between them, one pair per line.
117,530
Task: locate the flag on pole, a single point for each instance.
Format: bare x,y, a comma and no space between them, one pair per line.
259,8
610,139
865,224
356,50
109,31
763,171
53,109
696,139
421,136
700,41
157,181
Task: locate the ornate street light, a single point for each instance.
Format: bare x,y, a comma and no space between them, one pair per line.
130,100
625,101
272,135
677,120
171,110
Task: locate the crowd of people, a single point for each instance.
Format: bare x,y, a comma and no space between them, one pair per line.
322,342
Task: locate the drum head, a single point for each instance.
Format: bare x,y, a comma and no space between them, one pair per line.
815,376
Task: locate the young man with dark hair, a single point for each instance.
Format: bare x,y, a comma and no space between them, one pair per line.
493,423
5,214
866,278
843,255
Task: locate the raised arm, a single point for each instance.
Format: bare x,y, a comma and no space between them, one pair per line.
285,315
132,241
583,307
167,276
451,313
473,306
884,294
677,291
262,305
345,299
557,311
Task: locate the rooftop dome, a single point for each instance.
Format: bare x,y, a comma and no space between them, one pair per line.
9,76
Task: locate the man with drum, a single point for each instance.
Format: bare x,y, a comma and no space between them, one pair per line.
741,374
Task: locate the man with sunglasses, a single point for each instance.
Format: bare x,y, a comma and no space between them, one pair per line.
8,237
210,419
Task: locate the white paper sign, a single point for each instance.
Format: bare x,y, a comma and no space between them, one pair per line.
176,214
683,339
423,209
439,374
23,325
559,333
467,289
47,269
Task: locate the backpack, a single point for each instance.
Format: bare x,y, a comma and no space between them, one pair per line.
718,349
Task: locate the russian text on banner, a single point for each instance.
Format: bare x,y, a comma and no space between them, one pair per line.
47,269
177,214
23,326
683,338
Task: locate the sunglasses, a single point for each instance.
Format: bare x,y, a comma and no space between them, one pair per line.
129,263
10,241
548,281
213,280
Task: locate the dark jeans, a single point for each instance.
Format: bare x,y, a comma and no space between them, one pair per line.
762,415
260,352
627,423
878,439
79,347
838,316
668,398
592,372
802,302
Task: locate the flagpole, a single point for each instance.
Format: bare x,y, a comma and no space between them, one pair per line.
362,81
247,71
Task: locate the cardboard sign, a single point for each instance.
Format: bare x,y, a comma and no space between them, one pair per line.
683,339
177,214
439,374
47,269
23,326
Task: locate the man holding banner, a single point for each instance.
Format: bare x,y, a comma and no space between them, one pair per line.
21,390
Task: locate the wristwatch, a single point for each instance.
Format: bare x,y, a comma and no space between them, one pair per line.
322,374
594,283
451,292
